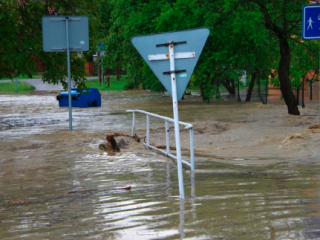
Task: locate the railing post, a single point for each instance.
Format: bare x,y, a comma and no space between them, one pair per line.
148,129
167,151
167,138
191,149
133,123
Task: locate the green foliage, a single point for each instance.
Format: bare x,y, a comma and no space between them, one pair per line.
23,77
129,86
236,42
305,58
240,40
21,39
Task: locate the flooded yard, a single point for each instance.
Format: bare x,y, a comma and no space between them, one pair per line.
251,180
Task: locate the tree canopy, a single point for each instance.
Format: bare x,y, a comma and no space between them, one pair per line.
21,39
256,36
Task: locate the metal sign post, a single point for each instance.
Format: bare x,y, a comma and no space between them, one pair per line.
176,119
175,81
172,74
102,73
311,29
73,35
101,49
69,74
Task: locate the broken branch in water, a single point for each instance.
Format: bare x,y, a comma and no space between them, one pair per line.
111,145
135,137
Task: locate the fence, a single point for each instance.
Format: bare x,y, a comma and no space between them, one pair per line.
167,120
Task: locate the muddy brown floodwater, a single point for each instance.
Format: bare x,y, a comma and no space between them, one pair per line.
257,172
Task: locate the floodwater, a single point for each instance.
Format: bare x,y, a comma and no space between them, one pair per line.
58,185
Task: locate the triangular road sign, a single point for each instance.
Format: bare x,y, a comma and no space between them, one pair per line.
188,47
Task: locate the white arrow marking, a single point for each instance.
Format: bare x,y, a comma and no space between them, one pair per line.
181,55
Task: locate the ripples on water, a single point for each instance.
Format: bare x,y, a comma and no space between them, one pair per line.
278,201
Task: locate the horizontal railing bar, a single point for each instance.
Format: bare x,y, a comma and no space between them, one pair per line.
187,125
169,155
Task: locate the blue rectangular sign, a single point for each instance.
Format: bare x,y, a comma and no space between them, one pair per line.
311,22
101,47
54,36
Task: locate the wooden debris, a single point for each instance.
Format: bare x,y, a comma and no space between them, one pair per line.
128,188
122,143
111,145
14,202
315,127
135,137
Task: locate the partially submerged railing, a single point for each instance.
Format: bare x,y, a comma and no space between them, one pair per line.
167,120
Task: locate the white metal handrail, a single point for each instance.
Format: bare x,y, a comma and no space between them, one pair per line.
167,120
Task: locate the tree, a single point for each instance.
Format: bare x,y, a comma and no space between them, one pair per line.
237,41
21,39
305,62
283,19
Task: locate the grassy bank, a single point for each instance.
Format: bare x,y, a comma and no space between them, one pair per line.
10,87
23,77
115,85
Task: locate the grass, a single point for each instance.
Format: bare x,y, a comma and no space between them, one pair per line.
10,87
23,77
115,85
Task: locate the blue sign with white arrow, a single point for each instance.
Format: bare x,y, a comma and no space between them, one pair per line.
155,50
311,22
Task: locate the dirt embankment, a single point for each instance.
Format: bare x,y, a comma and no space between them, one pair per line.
260,131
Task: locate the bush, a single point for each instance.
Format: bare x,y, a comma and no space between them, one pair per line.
129,86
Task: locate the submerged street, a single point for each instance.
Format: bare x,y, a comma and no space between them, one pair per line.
56,184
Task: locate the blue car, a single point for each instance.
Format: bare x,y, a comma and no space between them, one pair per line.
87,98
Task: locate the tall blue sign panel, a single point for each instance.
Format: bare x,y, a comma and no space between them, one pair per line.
311,22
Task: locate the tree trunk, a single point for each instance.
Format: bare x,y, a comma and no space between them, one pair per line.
218,95
99,67
230,88
298,95
310,84
283,71
302,94
284,63
118,72
233,86
112,143
251,85
204,98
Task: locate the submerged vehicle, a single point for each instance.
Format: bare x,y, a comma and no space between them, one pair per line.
84,99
